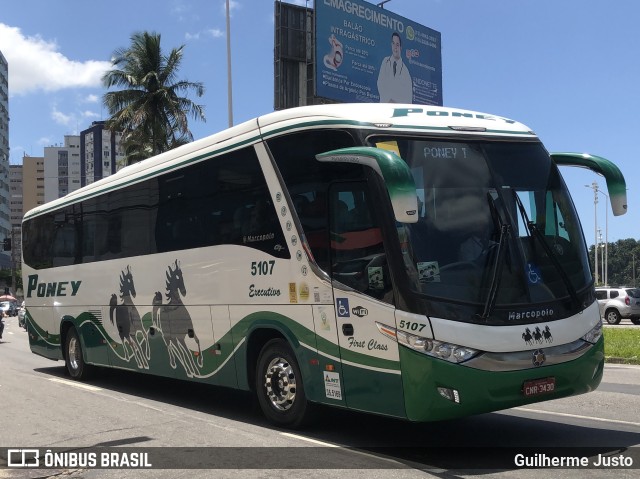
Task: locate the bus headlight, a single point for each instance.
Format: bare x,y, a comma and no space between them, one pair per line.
594,335
437,349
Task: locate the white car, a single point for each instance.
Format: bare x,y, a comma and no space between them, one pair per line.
618,303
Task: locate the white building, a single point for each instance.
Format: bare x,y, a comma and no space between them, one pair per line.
62,171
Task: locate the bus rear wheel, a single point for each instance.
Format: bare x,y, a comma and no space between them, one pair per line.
279,386
74,361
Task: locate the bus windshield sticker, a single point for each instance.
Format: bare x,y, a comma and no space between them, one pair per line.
376,279
428,272
389,146
533,274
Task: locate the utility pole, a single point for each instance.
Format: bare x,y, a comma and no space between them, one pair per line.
229,89
14,282
605,263
594,187
601,254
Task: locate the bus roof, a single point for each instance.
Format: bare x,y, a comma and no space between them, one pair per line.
371,116
397,116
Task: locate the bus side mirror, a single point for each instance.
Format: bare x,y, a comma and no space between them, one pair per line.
616,184
393,170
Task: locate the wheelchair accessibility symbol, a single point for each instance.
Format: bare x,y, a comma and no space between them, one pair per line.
342,305
533,274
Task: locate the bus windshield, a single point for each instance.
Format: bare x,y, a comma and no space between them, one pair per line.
496,224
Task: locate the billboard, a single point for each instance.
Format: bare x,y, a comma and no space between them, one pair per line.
365,53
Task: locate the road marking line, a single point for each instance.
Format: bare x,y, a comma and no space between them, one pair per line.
75,384
577,416
302,438
347,448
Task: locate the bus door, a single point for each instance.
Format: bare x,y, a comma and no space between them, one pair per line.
363,297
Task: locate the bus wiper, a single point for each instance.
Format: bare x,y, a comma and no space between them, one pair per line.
498,263
536,234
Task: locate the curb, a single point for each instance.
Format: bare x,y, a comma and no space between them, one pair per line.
612,360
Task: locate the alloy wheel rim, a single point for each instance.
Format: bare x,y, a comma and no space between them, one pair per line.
73,353
280,384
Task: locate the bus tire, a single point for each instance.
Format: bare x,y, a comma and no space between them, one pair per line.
74,361
279,386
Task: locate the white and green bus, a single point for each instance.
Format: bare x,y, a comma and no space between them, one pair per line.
418,262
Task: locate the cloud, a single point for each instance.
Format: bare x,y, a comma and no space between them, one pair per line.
91,99
216,32
183,12
212,32
61,118
90,114
73,119
35,64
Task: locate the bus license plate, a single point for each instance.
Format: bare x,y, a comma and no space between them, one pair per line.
539,386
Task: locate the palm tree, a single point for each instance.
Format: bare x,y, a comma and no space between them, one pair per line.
149,110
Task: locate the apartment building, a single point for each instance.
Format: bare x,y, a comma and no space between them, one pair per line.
62,169
5,219
32,182
100,152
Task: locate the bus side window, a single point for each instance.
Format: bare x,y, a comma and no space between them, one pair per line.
243,195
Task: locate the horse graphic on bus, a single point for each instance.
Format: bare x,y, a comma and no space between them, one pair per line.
125,316
174,314
171,320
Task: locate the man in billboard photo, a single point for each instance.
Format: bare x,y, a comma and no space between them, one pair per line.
394,82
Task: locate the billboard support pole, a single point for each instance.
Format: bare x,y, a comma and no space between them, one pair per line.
229,90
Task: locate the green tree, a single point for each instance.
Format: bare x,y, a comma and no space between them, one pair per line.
623,255
150,109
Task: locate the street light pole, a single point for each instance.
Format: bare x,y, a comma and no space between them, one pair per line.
594,187
229,92
601,254
605,264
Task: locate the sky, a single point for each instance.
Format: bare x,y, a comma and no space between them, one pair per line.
568,69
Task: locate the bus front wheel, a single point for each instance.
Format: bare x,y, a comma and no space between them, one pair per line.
76,367
279,386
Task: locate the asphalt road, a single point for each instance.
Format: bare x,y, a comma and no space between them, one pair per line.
623,322
42,408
